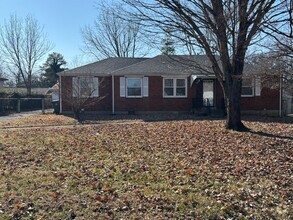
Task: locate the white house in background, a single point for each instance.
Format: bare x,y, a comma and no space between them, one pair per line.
54,92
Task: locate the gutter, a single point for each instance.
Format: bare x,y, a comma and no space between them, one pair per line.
280,98
113,95
60,97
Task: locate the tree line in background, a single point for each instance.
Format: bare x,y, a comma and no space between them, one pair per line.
23,45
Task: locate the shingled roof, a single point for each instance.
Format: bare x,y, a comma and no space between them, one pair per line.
169,65
159,65
103,67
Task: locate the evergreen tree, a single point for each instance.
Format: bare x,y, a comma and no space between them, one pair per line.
168,45
51,67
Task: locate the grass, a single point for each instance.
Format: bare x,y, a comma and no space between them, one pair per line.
146,170
40,120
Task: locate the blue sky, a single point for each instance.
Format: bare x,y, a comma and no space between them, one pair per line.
62,20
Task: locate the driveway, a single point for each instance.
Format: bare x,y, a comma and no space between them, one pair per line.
22,114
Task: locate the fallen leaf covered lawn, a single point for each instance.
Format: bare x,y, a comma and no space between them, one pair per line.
148,170
38,120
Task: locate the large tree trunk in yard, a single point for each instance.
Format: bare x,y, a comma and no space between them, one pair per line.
232,100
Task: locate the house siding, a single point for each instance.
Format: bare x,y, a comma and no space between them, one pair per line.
105,91
155,100
268,100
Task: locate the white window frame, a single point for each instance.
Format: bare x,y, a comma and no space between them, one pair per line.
141,87
174,87
252,88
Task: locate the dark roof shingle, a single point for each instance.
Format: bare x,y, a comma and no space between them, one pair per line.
169,65
103,67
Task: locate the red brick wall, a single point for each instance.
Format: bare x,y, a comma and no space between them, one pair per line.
155,100
269,100
105,91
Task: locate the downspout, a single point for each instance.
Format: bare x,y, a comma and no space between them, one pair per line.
113,95
60,97
280,98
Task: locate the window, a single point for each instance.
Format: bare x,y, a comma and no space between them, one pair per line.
85,87
134,87
176,87
169,87
247,87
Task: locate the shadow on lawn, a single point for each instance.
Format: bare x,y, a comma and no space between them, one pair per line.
260,133
267,119
89,118
157,117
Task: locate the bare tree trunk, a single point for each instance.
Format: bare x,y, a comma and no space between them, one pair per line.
233,102
76,114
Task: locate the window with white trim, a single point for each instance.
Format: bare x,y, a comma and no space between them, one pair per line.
85,86
247,87
134,87
174,87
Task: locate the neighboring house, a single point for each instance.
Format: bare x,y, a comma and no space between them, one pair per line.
54,92
160,84
2,80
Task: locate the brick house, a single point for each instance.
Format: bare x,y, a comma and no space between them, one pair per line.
160,84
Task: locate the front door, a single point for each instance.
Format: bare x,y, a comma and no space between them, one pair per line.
208,93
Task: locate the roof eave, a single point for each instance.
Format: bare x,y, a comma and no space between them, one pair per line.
83,74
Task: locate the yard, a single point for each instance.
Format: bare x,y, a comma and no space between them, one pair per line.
52,168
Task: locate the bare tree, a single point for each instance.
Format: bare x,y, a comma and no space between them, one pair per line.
79,60
224,28
23,44
2,74
82,93
281,29
111,36
269,66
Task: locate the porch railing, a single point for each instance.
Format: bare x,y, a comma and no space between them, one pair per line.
198,103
